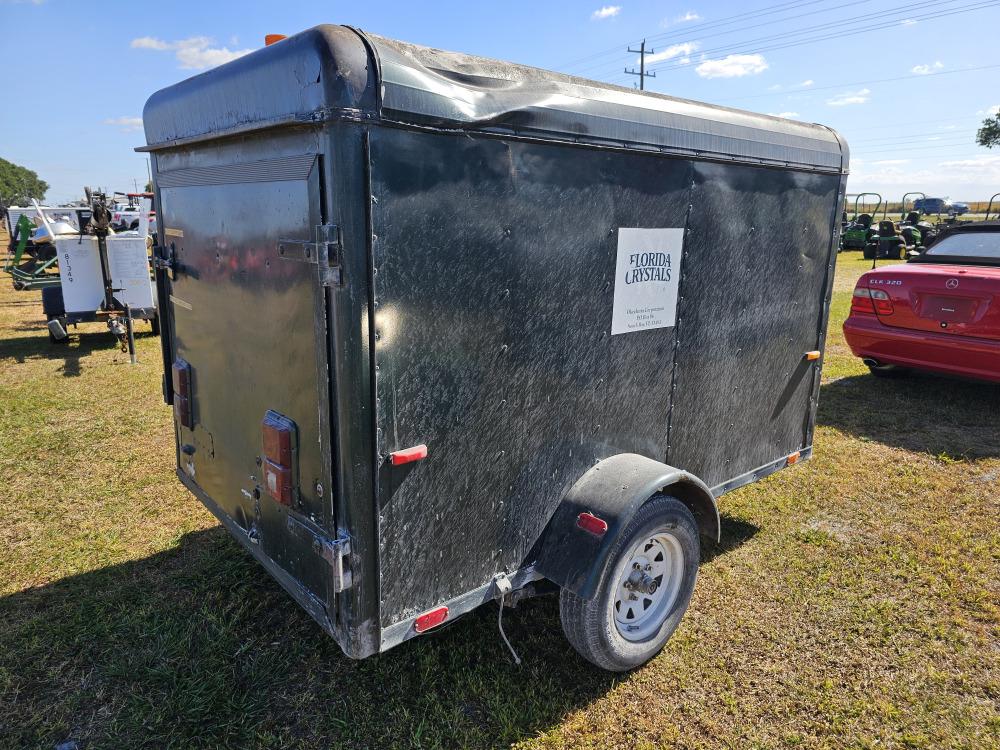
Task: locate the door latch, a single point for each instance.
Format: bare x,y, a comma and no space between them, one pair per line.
165,259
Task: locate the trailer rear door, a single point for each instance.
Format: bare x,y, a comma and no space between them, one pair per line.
246,308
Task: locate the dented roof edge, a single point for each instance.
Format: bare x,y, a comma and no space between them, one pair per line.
332,72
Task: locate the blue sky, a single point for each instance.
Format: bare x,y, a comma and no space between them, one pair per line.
77,75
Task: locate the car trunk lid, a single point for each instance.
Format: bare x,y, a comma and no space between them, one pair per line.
953,299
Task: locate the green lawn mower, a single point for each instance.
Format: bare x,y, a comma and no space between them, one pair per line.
858,231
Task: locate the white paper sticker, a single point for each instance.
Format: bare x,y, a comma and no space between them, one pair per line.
646,279
80,271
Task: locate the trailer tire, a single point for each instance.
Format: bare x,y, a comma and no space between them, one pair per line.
665,529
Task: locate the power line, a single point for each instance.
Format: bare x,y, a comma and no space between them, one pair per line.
699,37
866,28
767,10
863,83
643,75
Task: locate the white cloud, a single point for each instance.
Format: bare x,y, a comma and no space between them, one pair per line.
127,124
681,50
890,162
194,53
970,179
733,66
806,83
607,11
775,87
850,97
689,16
994,110
908,22
923,70
786,115
148,42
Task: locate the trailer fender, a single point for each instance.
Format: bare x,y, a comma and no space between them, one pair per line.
574,548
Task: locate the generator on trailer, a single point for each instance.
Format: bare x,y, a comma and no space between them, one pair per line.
437,328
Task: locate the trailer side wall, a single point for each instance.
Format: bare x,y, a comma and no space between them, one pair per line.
495,265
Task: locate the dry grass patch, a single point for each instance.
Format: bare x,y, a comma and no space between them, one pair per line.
853,602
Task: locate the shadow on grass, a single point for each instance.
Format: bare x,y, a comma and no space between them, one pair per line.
38,346
197,646
919,412
735,533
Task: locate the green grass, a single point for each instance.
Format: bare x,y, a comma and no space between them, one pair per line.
852,604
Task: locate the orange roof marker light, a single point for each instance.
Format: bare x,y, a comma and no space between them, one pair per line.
794,458
812,356
270,39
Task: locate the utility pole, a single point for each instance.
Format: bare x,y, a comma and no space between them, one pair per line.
643,75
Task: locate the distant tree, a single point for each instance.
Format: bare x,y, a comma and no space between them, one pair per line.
989,134
149,187
18,185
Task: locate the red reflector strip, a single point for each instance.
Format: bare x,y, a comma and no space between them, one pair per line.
408,455
592,524
430,619
794,458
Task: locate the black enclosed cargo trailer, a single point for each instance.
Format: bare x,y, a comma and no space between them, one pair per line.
436,327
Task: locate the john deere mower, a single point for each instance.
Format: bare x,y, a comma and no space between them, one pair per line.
858,232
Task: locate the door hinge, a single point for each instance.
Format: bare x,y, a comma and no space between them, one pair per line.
334,551
323,252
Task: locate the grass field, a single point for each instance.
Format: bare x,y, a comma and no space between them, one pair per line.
853,603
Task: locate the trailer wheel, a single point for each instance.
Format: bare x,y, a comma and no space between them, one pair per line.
645,589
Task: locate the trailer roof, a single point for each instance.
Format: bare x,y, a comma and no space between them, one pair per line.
370,77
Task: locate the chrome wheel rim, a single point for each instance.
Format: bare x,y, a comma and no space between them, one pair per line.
648,586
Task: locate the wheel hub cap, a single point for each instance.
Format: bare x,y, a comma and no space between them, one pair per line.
648,586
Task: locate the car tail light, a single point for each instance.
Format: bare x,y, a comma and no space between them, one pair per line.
183,407
871,301
861,302
278,433
883,304
430,619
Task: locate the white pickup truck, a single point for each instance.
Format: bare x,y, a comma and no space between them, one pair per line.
126,217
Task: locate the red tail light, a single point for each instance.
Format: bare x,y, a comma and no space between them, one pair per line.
871,301
181,377
278,434
883,305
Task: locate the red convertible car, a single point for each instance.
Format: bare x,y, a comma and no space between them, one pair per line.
938,312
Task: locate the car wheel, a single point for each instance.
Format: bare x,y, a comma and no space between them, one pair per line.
644,589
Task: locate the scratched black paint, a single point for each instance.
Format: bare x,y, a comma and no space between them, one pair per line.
478,252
